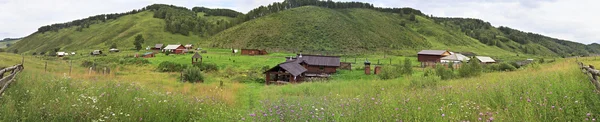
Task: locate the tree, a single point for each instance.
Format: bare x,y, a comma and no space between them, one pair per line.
139,40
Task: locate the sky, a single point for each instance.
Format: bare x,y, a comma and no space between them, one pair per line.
574,20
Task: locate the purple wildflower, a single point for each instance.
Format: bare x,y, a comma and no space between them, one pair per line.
491,118
589,114
243,119
528,100
443,115
252,114
552,107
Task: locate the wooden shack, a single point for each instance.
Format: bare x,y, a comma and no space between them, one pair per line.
295,70
254,52
431,57
157,47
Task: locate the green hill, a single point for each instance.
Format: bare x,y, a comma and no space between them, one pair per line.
355,30
8,42
100,36
343,27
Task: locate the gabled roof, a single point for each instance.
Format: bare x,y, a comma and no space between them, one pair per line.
320,60
172,47
293,68
158,45
456,57
485,59
196,55
432,52
188,45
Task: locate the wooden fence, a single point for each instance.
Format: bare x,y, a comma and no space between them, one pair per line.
592,72
6,80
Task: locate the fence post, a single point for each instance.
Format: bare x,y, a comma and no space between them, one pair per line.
70,67
46,67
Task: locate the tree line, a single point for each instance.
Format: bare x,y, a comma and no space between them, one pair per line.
217,12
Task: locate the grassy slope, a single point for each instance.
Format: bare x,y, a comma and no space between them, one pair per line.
350,96
100,36
3,43
354,30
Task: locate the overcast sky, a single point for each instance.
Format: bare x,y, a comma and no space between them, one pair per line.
575,20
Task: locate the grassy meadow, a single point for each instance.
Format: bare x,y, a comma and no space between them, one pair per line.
556,91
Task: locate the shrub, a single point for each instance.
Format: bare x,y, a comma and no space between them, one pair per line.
207,67
193,75
444,74
407,67
135,61
506,67
425,81
168,66
471,69
167,53
391,72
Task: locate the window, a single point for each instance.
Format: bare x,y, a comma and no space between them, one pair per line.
322,68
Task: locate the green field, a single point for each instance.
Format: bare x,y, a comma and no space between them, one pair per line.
549,92
3,43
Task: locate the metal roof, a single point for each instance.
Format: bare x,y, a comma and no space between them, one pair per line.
432,52
456,57
158,45
485,59
171,47
320,60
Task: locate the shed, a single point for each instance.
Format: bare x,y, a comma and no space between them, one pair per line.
254,52
148,55
432,55
189,46
60,54
456,57
96,52
196,57
158,47
485,59
175,48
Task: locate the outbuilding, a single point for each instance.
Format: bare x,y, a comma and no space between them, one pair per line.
176,48
157,47
254,52
485,60
295,70
431,57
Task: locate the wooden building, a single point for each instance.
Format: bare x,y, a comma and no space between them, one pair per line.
189,46
157,47
431,57
254,52
176,49
485,59
195,58
297,69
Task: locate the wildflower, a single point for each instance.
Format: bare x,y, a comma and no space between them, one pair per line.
589,114
243,119
552,107
396,109
528,100
372,98
443,115
479,119
252,114
491,118
480,114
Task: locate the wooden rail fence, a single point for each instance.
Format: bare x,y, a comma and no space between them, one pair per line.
6,80
592,72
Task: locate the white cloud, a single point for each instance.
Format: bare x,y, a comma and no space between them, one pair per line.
564,19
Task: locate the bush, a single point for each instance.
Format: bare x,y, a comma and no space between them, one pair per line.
425,81
193,75
207,67
168,66
444,74
167,53
506,67
471,69
135,61
407,67
391,72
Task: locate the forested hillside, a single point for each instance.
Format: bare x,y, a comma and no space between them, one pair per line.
297,25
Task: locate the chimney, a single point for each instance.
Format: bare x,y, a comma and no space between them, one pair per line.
300,56
367,67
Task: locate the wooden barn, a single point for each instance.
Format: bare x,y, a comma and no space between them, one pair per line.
176,49
431,57
297,69
189,46
157,47
254,52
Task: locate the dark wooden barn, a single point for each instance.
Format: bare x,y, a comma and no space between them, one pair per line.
431,57
157,47
297,69
254,52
